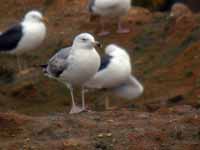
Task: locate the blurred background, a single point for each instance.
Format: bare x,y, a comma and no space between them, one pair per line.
165,53
164,5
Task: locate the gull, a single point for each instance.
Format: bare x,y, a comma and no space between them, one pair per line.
112,9
24,36
115,74
75,65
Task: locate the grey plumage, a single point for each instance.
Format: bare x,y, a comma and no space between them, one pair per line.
74,66
58,63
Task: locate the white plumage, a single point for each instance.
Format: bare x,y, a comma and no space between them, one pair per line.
116,71
110,8
115,74
34,32
131,89
25,36
75,65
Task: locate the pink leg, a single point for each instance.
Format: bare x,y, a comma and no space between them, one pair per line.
103,31
121,29
75,109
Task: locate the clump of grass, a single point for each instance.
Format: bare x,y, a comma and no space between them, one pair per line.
6,75
147,39
198,83
48,2
189,73
151,4
161,18
196,135
173,52
144,3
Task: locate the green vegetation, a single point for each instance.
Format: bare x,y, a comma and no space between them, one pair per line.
173,52
6,75
152,4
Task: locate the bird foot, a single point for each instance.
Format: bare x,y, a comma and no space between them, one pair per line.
104,33
75,110
87,110
110,108
122,31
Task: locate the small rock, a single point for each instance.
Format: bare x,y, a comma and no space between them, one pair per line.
100,135
108,134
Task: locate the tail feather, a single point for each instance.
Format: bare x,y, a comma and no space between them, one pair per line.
130,90
44,68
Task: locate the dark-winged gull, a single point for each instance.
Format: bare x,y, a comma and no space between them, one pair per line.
75,65
115,75
110,8
25,36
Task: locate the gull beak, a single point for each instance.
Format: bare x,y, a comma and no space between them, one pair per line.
45,20
97,44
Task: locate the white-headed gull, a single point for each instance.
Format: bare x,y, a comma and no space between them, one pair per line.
75,65
115,75
25,36
112,9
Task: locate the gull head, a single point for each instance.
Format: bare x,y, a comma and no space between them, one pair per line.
114,50
34,16
85,41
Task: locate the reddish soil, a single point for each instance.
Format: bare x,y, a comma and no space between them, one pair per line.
165,53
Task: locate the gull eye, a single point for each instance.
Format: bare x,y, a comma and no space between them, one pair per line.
84,39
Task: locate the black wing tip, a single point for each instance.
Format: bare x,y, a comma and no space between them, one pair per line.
44,66
105,61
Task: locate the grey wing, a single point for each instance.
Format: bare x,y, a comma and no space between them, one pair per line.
58,63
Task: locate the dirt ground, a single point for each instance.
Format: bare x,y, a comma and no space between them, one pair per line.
165,55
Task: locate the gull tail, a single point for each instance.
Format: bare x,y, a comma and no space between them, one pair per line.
44,68
130,90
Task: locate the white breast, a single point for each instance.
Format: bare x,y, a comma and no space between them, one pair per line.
82,66
33,36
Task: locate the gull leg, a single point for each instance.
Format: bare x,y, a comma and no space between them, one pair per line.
19,64
107,103
83,99
103,31
121,29
21,67
75,109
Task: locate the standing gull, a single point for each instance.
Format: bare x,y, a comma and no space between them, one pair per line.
110,8
75,65
25,36
115,74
